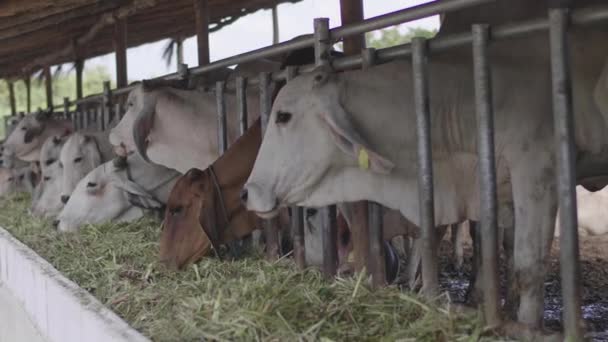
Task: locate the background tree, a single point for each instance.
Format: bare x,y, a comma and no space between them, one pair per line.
393,36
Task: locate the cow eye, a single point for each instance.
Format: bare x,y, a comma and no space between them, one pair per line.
91,184
49,161
176,211
283,117
23,128
21,177
77,160
47,178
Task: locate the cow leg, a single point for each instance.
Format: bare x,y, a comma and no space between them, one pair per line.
475,290
457,238
414,262
535,205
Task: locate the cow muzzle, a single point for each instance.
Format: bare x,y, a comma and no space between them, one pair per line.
260,200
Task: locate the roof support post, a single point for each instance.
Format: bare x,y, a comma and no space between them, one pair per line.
120,48
351,11
48,81
28,93
79,64
11,97
201,12
179,51
275,25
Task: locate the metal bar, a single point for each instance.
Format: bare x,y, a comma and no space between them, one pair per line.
579,17
566,174
297,213
351,12
329,230
376,245
241,103
179,51
201,13
28,94
275,25
79,64
322,43
430,273
330,234
106,105
487,174
66,108
372,234
222,136
120,48
48,82
271,231
11,97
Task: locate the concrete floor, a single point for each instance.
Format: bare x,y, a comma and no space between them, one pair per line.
15,325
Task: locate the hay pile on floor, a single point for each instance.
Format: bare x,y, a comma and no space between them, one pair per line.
248,299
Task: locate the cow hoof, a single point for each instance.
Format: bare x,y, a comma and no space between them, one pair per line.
391,262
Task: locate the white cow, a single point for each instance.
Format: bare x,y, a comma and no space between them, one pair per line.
114,192
15,180
46,200
32,131
592,212
162,120
347,137
81,153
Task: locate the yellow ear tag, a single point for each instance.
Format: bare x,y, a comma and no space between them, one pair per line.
363,159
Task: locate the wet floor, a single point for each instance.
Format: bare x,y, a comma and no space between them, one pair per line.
594,269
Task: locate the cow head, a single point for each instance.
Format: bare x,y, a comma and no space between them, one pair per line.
121,136
47,202
79,156
310,136
183,238
26,137
98,197
9,181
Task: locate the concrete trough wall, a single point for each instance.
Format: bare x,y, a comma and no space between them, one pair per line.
60,309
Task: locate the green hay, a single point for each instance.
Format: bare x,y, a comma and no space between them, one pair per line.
248,299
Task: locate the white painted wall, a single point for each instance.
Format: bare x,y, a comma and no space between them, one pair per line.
60,310
15,324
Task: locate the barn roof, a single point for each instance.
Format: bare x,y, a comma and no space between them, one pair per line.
36,33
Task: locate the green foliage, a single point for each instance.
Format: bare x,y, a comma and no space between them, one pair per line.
64,85
392,36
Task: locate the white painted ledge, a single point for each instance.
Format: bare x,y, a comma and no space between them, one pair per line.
60,309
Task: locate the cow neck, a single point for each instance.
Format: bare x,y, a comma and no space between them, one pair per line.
226,177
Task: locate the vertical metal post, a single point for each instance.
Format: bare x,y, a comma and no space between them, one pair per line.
374,228
566,174
79,64
201,12
183,71
241,103
487,174
48,82
222,136
330,239
275,25
329,229
11,97
271,231
66,108
297,213
120,50
430,273
106,111
28,94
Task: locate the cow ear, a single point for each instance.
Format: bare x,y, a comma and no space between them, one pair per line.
92,150
350,142
137,195
144,122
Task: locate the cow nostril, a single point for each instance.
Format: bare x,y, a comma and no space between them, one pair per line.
65,199
56,223
244,195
